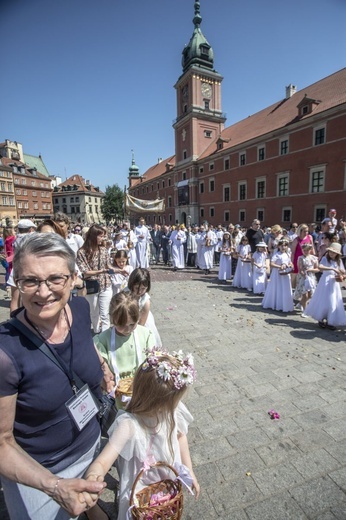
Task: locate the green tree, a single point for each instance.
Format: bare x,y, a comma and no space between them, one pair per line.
113,203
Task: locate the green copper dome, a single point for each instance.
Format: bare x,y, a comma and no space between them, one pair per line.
197,51
133,170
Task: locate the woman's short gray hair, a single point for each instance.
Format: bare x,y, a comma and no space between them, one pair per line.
43,244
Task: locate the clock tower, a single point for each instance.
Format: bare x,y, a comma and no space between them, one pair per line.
199,116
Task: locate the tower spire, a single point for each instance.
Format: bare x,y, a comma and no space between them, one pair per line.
198,51
197,20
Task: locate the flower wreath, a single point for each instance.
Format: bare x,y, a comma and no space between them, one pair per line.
182,376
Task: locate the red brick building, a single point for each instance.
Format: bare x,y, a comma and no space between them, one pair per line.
285,163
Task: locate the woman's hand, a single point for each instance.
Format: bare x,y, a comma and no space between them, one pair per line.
108,382
77,495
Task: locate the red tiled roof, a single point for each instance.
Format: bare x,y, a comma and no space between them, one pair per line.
155,171
7,162
328,92
81,183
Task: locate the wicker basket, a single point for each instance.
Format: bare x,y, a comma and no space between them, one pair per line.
172,509
124,387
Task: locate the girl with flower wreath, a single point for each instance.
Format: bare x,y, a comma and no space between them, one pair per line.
153,428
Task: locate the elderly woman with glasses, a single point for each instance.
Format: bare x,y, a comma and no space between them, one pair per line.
49,375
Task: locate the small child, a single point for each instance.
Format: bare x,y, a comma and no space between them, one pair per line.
259,268
139,284
278,295
243,273
326,305
123,345
122,270
153,428
225,267
306,278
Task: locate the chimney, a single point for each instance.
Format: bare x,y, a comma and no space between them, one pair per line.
290,90
159,160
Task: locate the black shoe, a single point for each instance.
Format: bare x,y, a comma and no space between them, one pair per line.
322,324
330,327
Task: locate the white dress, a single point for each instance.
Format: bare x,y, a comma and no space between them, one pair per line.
178,238
326,302
225,267
243,273
259,274
120,281
137,444
143,237
278,295
150,323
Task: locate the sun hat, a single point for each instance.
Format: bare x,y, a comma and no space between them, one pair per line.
261,244
335,247
25,223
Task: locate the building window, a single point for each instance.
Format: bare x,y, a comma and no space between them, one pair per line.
4,200
64,200
184,154
226,193
261,153
3,186
226,216
206,105
72,209
286,214
77,209
201,187
158,185
260,189
282,186
284,147
260,215
226,164
169,202
207,133
170,217
163,184
202,212
319,136
184,176
36,206
211,185
242,191
320,213
242,214
317,181
212,212
169,182
201,170
242,159
77,199
211,166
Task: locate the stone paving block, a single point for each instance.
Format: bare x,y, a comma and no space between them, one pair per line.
314,464
312,440
337,409
318,496
210,452
339,477
311,419
282,428
234,495
278,507
336,428
239,464
248,439
309,402
278,451
277,478
222,427
202,509
327,516
259,389
338,450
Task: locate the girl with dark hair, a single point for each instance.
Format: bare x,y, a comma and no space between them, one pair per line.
94,263
139,284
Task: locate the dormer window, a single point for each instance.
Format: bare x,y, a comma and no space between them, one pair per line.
307,105
204,51
207,133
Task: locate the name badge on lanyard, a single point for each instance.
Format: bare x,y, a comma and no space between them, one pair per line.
82,407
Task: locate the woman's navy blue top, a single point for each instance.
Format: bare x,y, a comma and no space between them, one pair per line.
43,427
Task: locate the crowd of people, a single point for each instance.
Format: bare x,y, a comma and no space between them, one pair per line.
81,322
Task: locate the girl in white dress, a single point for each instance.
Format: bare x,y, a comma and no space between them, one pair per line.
243,273
278,295
306,278
326,305
225,267
139,284
259,268
121,270
153,428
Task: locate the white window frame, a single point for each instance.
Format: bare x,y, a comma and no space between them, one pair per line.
317,169
258,180
282,175
241,183
229,162
316,129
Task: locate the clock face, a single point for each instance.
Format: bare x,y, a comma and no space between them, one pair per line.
206,90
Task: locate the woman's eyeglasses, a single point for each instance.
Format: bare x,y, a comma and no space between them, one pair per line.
55,282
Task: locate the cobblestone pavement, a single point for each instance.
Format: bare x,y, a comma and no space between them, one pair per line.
251,361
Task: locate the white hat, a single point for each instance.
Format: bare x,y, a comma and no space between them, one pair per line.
335,247
26,223
261,244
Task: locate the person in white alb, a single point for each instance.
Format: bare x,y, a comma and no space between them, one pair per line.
143,237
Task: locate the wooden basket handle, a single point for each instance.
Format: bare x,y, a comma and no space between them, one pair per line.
156,465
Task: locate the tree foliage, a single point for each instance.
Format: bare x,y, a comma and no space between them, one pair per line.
113,203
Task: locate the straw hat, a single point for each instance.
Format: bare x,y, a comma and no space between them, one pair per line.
335,247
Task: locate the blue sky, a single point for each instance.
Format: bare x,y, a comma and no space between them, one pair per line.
84,82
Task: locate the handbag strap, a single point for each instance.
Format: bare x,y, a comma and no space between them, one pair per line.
76,383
